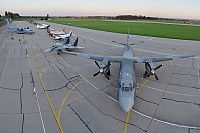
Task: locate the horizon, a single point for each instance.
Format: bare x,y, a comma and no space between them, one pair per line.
181,9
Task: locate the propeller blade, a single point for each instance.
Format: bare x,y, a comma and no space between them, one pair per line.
96,73
106,66
97,64
156,77
158,66
148,64
106,76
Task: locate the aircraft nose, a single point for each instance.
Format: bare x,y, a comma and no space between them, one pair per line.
126,103
47,50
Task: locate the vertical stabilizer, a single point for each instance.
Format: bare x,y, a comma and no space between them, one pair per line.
70,33
128,37
75,43
68,41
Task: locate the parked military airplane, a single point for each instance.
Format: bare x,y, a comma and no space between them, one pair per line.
127,85
54,33
66,45
62,37
43,26
22,30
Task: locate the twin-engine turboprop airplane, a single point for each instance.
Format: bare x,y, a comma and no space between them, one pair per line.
127,85
22,30
66,45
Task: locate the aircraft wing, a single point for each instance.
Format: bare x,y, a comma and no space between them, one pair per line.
159,59
121,58
97,57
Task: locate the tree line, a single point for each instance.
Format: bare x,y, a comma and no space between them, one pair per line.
11,15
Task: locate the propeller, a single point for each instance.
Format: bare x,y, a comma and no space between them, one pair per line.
101,70
152,71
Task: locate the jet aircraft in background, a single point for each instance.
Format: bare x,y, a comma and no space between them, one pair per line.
127,85
66,45
63,37
54,33
43,26
22,30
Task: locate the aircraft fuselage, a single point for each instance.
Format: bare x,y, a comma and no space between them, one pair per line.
127,81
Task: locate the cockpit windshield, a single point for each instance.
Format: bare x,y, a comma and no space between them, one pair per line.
127,89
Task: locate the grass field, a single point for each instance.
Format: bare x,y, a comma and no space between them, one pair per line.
146,29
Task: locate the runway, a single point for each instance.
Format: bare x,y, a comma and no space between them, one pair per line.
50,93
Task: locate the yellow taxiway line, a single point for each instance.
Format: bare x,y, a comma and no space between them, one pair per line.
171,63
66,98
47,96
143,85
128,115
126,126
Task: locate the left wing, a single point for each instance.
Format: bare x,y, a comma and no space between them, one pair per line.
97,57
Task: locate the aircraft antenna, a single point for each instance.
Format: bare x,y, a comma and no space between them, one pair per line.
128,37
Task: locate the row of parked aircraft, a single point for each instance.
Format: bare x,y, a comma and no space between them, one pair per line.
127,84
58,35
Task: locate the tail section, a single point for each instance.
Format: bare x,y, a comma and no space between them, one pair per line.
75,43
70,33
8,24
64,30
68,41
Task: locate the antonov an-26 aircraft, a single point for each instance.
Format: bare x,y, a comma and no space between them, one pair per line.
127,85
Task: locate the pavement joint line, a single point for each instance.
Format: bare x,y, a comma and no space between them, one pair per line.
66,98
47,96
54,64
127,119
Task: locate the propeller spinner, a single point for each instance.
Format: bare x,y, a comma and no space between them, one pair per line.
102,69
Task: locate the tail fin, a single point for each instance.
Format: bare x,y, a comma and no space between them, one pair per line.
64,29
76,42
8,24
70,33
68,41
128,36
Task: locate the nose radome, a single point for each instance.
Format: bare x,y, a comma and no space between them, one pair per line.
47,50
126,103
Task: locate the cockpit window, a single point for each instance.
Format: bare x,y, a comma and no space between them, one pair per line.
126,89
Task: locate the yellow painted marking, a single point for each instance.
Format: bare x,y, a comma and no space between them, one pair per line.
55,64
138,54
37,55
47,96
142,85
66,98
126,126
171,63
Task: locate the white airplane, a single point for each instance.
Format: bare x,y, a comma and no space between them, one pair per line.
54,33
66,45
43,26
62,37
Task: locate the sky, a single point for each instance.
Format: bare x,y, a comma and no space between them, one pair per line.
189,9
